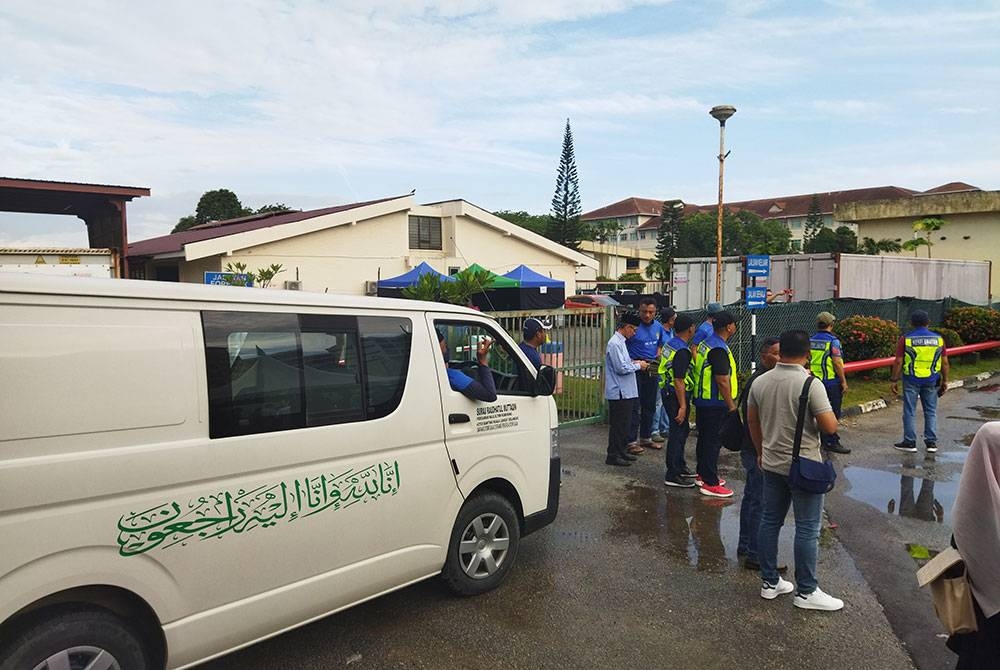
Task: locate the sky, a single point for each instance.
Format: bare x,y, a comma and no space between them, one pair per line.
314,103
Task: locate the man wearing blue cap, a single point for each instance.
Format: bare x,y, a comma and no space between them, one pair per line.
922,364
707,327
535,332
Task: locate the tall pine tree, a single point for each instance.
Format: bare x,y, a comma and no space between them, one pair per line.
667,235
814,223
564,221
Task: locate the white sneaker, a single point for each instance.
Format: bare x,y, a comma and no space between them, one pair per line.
769,592
817,600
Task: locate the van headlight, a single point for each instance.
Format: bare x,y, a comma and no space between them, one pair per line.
554,443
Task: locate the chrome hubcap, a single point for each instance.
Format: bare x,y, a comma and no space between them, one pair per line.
483,547
80,658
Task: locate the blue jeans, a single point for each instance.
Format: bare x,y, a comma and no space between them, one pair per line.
661,422
750,507
928,399
807,508
836,397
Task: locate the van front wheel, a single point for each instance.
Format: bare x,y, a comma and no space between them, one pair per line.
80,639
483,545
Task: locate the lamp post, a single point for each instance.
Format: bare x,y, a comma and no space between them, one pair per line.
720,113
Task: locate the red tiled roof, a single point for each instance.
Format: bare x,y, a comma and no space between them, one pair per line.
175,241
951,187
798,205
655,222
73,187
628,207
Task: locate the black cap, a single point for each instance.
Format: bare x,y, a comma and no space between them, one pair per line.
630,319
683,323
919,318
667,314
722,319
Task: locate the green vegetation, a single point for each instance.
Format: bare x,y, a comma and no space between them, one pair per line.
974,324
874,384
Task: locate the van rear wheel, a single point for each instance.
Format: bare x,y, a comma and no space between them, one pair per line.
483,545
74,641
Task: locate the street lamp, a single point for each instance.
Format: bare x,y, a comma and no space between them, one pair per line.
720,113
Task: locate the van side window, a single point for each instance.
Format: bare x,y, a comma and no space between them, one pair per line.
273,372
509,375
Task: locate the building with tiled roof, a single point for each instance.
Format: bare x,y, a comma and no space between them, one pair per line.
640,218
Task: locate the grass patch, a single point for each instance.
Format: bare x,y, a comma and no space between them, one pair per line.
580,398
874,384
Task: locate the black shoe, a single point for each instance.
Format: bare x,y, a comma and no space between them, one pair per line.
617,460
838,448
679,482
754,565
908,447
687,474
931,447
630,457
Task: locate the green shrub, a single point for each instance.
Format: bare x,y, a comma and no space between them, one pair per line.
865,337
951,337
974,324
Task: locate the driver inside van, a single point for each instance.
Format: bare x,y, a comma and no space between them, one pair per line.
484,389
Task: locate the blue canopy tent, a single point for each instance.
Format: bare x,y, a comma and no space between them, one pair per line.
536,291
393,286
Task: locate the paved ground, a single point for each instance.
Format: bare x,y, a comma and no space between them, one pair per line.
633,575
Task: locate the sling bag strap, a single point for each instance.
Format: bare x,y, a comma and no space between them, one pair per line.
801,418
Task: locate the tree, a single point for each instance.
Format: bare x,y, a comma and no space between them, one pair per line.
603,231
914,244
874,247
847,240
184,223
536,223
564,220
667,235
698,239
928,226
761,236
428,287
465,284
276,208
639,287
218,205
814,221
262,277
825,242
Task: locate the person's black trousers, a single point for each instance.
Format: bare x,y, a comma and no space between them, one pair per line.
836,397
709,420
644,409
619,416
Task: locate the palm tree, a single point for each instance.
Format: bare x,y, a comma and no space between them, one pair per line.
928,226
914,244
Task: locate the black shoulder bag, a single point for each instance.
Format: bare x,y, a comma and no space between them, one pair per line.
805,474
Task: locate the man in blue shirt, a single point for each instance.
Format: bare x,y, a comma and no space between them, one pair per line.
826,361
535,332
922,363
482,389
645,345
706,329
620,389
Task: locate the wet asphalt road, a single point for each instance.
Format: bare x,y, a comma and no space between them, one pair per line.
634,575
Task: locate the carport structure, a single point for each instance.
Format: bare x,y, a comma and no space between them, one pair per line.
101,206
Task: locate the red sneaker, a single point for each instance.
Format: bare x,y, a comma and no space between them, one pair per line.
699,482
716,491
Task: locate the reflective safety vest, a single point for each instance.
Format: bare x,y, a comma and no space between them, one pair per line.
704,389
821,359
922,351
666,369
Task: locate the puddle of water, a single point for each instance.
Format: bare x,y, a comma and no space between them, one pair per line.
902,494
988,412
967,439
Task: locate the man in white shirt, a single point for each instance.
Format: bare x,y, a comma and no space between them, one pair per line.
620,390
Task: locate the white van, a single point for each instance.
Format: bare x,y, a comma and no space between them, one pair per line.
186,470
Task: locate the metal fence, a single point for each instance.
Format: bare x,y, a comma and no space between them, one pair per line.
576,350
779,317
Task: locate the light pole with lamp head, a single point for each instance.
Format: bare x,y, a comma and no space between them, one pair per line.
720,113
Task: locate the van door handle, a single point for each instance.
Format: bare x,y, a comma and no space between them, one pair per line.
458,418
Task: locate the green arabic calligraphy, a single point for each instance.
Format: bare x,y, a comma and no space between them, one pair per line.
224,512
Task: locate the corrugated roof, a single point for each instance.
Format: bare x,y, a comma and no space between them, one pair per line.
72,186
55,250
175,242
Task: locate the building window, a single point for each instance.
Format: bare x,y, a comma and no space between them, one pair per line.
796,245
631,263
642,235
137,271
273,372
623,237
633,236
453,270
425,232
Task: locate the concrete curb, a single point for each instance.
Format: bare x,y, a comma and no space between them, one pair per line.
875,405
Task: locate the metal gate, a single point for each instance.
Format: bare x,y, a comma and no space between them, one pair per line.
576,350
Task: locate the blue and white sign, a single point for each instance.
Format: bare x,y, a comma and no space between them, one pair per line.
228,279
756,296
758,266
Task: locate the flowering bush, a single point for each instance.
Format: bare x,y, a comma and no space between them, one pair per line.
951,337
865,337
974,324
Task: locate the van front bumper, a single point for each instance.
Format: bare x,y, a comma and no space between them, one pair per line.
533,522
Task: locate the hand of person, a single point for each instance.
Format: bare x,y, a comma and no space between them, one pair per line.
894,388
642,365
681,412
843,386
483,351
942,387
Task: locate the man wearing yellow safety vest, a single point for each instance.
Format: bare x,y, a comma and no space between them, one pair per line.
922,364
675,365
827,365
714,392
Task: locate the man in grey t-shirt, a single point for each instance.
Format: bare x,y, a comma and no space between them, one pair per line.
772,412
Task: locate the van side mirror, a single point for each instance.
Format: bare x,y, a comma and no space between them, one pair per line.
545,382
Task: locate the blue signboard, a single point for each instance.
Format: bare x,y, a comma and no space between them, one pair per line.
756,296
228,279
758,266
